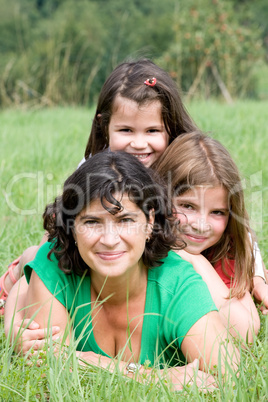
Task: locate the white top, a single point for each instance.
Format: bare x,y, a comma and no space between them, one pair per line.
259,270
81,162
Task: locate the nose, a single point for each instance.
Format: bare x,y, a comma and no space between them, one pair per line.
200,224
139,142
110,235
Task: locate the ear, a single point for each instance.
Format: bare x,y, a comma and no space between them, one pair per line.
151,220
74,234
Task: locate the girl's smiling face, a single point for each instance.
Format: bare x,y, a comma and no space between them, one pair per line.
138,130
203,213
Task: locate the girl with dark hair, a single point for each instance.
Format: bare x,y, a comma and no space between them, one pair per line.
110,272
142,87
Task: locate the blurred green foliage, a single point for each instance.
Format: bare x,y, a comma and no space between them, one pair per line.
61,51
214,35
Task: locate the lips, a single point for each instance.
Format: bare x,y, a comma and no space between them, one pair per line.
195,238
141,156
110,256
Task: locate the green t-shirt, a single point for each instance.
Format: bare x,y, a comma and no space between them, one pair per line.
176,298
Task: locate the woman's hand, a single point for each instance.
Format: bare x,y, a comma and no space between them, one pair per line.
28,335
178,377
190,375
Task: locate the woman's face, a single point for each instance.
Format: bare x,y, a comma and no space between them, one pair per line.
138,130
203,213
112,245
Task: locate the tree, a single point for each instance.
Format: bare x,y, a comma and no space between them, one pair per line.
210,34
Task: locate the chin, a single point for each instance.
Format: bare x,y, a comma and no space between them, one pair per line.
193,251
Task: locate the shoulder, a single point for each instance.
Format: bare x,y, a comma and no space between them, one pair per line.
173,273
226,271
179,294
44,267
44,250
63,286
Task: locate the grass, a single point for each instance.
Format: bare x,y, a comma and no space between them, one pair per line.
39,149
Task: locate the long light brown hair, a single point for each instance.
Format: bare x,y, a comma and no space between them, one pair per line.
194,159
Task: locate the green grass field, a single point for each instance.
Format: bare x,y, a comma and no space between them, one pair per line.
39,149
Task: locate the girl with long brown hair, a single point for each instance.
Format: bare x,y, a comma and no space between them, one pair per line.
208,196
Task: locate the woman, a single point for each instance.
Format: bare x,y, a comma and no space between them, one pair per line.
109,273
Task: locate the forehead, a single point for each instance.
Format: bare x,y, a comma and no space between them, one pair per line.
96,207
207,193
124,105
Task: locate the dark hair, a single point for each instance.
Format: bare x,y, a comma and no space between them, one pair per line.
100,177
195,159
127,80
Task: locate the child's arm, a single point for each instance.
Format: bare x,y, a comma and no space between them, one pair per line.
260,280
239,315
260,293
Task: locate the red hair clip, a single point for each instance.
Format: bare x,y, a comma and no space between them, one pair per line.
150,82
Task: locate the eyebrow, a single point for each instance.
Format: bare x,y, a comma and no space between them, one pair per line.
156,126
118,215
131,126
84,217
180,199
133,214
122,125
189,201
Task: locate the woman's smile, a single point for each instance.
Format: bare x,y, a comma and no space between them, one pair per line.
112,244
110,255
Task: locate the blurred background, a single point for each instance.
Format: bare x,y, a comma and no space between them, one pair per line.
59,52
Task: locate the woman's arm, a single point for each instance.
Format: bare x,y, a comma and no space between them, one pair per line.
45,308
48,310
26,333
240,316
178,377
206,340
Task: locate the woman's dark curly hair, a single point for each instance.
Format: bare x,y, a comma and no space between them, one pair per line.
100,177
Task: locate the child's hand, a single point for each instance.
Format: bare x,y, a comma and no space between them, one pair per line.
189,257
28,335
260,293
